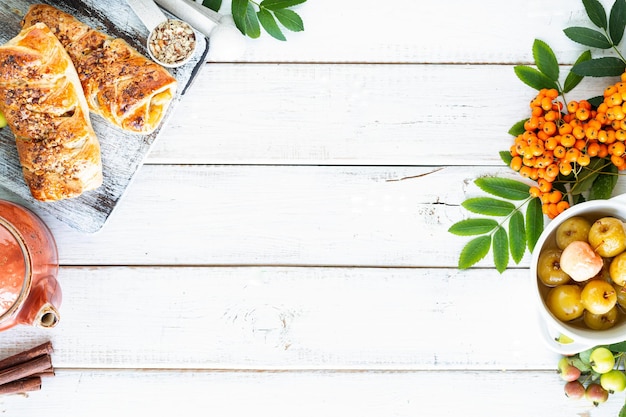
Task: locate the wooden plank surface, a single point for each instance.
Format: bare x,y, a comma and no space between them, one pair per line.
307,394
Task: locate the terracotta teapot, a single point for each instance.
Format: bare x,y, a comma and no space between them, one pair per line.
29,291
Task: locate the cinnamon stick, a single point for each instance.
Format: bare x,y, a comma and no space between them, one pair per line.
42,349
32,383
25,369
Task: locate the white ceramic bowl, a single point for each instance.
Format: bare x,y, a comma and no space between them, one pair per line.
553,327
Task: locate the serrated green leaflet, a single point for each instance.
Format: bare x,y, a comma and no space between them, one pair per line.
604,184
534,223
517,236
534,78
506,157
596,12
545,60
289,19
573,79
475,250
587,37
279,4
500,248
473,227
587,176
488,206
617,21
600,67
503,187
239,9
253,29
517,128
269,24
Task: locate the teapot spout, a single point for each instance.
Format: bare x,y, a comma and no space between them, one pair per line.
47,317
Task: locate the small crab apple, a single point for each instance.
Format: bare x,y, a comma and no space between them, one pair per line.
574,390
608,236
573,229
613,381
567,371
580,261
596,394
602,360
598,296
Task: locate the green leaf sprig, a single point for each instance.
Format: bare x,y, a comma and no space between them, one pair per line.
250,16
507,236
607,35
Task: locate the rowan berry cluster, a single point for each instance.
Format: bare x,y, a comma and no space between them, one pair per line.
559,141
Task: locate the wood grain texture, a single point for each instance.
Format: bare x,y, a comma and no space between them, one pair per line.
308,394
284,215
293,319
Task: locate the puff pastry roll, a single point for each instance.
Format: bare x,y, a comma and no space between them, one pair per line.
120,84
42,100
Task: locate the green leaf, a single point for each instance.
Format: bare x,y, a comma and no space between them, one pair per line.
269,24
573,79
602,188
212,4
596,12
600,67
279,4
488,206
506,157
587,176
475,250
534,78
239,9
617,21
473,227
534,223
251,22
617,347
500,248
518,128
622,411
503,187
596,101
289,19
545,60
588,37
517,236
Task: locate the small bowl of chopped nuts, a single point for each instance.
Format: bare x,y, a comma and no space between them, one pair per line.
172,43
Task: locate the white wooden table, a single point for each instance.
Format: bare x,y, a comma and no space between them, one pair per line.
284,249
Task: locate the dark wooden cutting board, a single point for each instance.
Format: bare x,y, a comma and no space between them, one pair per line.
122,152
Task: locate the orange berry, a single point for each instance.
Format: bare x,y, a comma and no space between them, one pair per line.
617,148
603,107
568,140
610,90
534,192
525,171
552,171
549,128
559,152
553,211
552,93
572,106
555,196
551,116
603,151
592,149
584,104
602,136
561,206
550,143
578,132
580,144
572,155
618,161
516,163
615,99
536,111
583,159
544,185
565,128
565,167
623,77
582,113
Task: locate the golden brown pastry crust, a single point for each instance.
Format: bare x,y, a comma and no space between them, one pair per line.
120,84
42,100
